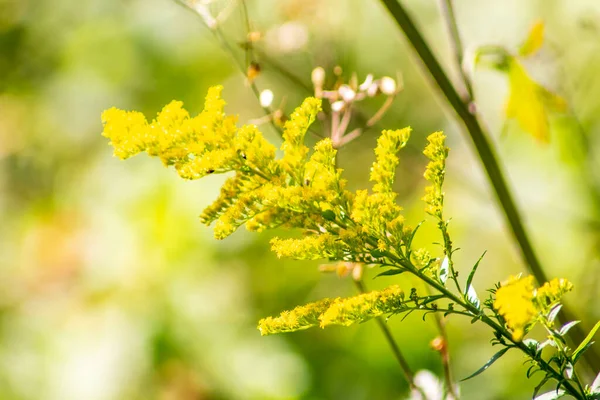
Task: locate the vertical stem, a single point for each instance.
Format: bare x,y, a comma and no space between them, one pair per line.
406,370
488,158
448,14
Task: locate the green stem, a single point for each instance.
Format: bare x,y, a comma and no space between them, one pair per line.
476,312
488,158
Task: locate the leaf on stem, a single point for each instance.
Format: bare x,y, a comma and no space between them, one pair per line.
472,274
587,342
487,364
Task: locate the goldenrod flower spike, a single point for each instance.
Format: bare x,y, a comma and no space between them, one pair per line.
437,152
341,311
301,317
363,307
522,305
514,301
383,170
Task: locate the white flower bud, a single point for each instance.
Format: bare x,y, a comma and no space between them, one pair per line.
337,106
318,76
266,98
387,85
346,93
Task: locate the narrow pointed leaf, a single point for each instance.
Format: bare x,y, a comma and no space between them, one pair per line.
487,364
390,272
586,342
472,274
566,327
554,312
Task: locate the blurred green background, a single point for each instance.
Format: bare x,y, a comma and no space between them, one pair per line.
110,288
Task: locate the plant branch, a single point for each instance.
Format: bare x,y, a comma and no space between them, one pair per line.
447,10
488,158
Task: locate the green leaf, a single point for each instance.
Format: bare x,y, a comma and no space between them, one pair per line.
390,272
487,364
444,270
472,274
554,312
586,342
539,385
566,327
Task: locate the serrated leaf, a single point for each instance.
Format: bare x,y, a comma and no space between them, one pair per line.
474,269
390,272
534,41
554,394
586,342
554,312
444,270
487,364
566,327
472,296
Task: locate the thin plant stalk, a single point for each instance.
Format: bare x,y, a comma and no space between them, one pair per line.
488,158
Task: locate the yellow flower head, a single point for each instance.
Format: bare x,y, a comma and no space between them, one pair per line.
301,317
363,307
521,304
437,152
514,301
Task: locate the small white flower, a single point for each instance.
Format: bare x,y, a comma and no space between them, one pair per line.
337,106
266,98
387,85
346,93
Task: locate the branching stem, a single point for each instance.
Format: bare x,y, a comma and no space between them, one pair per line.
488,158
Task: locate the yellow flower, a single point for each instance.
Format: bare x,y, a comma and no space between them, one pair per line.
514,301
301,317
383,170
363,307
550,293
437,152
522,305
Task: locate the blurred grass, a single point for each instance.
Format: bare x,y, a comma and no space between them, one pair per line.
111,288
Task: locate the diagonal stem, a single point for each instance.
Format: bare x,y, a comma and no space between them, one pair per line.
488,158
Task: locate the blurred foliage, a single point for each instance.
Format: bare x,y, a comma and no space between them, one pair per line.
112,289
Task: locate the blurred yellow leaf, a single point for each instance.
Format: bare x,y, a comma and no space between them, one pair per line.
529,102
534,40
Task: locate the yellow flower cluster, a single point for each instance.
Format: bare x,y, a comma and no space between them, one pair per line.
521,304
383,170
437,152
301,317
341,311
294,191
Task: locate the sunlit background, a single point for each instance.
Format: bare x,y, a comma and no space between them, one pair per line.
110,288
